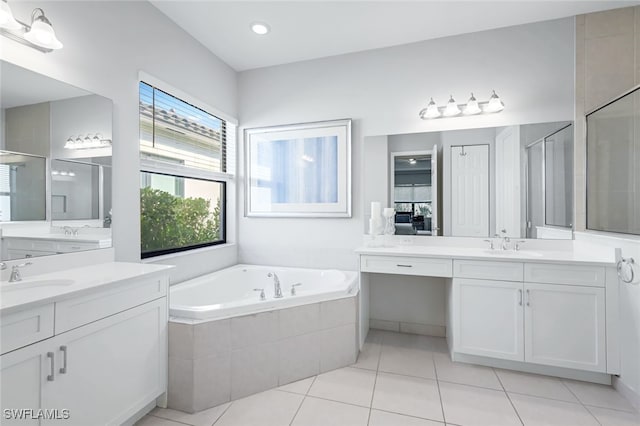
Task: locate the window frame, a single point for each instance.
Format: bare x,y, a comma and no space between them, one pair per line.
226,179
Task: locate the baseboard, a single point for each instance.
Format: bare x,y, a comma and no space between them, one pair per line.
565,373
140,414
627,392
408,327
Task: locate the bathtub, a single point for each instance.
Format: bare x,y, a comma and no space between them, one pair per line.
226,343
232,291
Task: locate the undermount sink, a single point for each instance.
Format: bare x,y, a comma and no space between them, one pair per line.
23,285
507,253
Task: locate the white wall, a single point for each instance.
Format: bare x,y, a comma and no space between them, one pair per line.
106,44
530,66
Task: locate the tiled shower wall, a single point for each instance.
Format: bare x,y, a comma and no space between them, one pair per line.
607,65
218,361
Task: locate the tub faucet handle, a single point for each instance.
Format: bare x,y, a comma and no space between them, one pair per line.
293,288
262,295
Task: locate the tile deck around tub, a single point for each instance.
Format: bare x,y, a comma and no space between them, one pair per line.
417,386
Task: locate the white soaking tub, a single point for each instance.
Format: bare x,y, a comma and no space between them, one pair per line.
226,343
232,291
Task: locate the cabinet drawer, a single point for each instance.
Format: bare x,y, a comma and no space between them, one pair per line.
564,274
82,310
431,267
488,270
26,327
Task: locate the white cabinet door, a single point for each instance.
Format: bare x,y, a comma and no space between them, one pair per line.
23,378
113,366
488,318
565,326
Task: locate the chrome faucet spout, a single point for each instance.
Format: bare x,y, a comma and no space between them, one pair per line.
277,289
15,272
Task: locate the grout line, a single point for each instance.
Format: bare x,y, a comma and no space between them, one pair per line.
224,412
299,406
311,385
592,415
334,400
510,401
414,377
169,420
435,370
373,393
412,416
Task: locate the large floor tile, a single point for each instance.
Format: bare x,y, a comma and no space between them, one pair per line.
535,385
349,385
473,406
536,411
599,395
301,386
412,396
608,417
202,418
466,374
155,421
270,408
384,418
410,361
320,412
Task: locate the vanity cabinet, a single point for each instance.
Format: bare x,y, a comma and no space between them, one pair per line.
488,318
564,326
102,368
557,325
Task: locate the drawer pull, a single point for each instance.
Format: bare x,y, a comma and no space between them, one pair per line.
528,298
404,266
520,294
51,377
63,349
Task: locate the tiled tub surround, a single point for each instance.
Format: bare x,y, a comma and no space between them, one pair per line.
217,361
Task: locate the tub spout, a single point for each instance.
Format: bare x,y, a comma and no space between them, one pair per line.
277,290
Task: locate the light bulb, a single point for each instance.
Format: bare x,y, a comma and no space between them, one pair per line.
472,106
431,111
495,104
412,161
452,108
70,143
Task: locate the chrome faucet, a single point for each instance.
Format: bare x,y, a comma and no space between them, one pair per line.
277,290
15,272
504,245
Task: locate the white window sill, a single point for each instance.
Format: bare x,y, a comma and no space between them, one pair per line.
212,249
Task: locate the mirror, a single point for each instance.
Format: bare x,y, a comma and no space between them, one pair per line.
55,166
514,181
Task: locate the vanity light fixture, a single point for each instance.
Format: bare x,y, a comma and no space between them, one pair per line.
39,35
260,28
472,107
7,21
88,142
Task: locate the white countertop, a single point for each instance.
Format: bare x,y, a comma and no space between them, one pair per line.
55,286
543,252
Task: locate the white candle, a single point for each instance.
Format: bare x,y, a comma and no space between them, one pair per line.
388,212
375,209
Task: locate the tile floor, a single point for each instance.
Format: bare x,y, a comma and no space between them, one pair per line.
409,380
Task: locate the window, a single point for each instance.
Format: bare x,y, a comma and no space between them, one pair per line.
183,176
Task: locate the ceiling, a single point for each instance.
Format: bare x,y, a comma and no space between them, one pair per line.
302,30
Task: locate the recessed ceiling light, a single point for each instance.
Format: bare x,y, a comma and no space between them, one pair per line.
260,28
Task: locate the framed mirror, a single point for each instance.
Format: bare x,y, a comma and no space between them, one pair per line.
55,166
513,181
